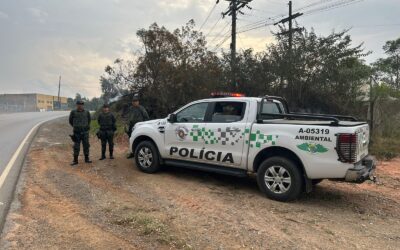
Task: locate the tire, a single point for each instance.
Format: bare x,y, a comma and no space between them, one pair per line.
316,181
280,179
147,158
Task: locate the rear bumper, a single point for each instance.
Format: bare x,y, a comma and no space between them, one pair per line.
362,171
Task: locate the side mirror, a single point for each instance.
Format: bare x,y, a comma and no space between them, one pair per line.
172,118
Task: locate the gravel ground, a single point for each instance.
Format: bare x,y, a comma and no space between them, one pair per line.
111,205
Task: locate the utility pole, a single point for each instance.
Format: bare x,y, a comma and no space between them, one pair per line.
235,6
290,32
233,44
290,19
58,97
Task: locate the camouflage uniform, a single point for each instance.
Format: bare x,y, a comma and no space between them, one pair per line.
136,114
80,121
107,128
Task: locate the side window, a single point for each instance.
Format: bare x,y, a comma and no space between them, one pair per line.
226,112
193,113
271,108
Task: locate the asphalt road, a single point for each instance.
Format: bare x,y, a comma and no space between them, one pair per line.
13,129
16,132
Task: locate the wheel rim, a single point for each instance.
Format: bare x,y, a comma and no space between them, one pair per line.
145,157
277,179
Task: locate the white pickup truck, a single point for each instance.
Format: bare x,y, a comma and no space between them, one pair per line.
288,152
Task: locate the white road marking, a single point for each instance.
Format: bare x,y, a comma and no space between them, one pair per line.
18,151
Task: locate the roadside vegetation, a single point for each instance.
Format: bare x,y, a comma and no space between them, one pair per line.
321,74
94,126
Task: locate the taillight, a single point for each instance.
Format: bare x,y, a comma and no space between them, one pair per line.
347,147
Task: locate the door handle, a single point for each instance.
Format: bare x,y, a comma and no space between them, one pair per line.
233,130
195,129
161,129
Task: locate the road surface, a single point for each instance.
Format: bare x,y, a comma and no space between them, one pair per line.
16,131
14,128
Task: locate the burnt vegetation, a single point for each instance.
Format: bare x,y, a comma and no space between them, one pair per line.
324,74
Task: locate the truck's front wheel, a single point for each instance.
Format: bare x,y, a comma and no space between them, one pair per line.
147,158
280,179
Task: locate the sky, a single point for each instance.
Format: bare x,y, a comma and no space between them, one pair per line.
43,39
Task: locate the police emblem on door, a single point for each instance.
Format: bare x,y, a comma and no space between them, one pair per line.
181,132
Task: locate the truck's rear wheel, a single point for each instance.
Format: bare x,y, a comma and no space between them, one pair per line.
280,179
147,158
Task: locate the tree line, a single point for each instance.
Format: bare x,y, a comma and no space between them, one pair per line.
92,104
321,74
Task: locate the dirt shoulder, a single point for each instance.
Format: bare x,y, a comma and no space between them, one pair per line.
111,205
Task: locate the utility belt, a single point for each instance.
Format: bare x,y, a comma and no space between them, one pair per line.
75,137
81,130
103,133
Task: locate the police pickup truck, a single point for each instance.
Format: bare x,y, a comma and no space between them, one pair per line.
237,135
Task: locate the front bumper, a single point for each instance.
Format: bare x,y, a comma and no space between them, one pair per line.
362,171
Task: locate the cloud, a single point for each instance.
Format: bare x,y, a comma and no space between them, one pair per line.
80,69
177,4
77,39
3,15
38,14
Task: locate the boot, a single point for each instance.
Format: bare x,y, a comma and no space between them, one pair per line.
75,161
111,154
131,155
103,155
87,160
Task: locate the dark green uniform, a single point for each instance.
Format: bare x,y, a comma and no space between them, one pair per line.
80,121
136,114
106,133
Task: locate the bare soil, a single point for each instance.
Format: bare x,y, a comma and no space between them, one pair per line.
112,205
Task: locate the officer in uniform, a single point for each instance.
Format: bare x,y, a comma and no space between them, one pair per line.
137,113
80,119
106,134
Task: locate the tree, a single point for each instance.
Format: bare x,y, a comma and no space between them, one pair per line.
172,69
90,104
388,69
109,88
327,73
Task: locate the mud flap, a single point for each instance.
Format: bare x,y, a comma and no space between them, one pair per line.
309,185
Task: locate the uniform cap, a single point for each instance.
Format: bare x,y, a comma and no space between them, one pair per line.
135,98
106,106
80,102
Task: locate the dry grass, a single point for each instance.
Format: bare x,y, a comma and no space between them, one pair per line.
385,148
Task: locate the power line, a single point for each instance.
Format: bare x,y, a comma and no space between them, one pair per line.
218,35
260,23
213,27
265,23
221,43
209,14
222,39
313,4
336,5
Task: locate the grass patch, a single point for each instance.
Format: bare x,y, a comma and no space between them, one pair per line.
149,226
146,224
385,148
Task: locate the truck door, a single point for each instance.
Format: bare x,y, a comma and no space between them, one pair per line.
183,139
226,124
